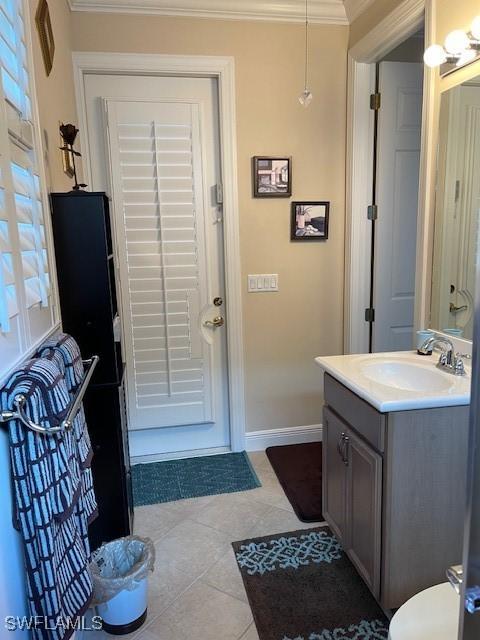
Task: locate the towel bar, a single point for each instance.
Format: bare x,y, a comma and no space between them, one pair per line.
20,400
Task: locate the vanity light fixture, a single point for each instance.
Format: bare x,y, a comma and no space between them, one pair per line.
465,57
434,56
306,96
459,48
456,42
475,28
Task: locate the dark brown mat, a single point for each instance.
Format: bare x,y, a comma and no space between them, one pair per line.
299,471
301,586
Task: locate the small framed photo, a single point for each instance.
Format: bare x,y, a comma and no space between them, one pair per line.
272,177
309,220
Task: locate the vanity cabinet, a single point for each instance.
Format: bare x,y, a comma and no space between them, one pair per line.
394,490
352,506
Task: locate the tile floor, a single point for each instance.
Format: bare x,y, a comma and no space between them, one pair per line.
196,591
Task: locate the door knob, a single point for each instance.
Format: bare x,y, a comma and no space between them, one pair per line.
216,322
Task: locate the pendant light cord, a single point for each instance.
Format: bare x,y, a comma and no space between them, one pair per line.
306,44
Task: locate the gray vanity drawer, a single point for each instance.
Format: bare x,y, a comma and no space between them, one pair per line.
366,420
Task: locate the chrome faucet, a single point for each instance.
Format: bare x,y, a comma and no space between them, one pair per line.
449,360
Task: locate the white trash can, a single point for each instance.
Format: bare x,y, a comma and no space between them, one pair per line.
120,577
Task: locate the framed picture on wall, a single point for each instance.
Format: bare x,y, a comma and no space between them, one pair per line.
45,33
309,220
272,177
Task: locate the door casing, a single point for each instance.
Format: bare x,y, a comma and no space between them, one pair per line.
221,68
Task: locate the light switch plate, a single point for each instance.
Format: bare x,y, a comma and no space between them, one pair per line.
262,282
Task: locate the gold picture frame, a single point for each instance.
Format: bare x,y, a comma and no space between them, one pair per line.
45,33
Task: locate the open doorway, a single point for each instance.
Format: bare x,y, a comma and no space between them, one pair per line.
388,126
397,106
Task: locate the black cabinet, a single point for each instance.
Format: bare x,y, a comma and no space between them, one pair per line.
86,277
88,302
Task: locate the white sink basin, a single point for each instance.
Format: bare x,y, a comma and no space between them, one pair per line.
407,376
398,381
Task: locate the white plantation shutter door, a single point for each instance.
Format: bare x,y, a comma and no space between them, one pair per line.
158,195
10,328
26,312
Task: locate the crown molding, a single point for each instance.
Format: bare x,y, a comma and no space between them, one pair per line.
401,23
354,8
320,11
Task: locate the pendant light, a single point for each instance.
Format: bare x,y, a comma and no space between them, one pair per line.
306,96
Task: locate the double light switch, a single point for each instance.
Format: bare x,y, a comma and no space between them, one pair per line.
259,283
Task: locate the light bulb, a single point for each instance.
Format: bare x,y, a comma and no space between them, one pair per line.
456,42
475,28
467,56
434,56
305,97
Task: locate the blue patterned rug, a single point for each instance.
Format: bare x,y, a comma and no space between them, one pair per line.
192,477
301,586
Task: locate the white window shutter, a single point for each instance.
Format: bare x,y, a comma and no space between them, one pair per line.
8,294
25,291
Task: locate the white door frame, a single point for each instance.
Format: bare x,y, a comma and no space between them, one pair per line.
385,36
221,68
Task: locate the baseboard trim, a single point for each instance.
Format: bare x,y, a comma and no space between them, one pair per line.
260,440
178,455
254,441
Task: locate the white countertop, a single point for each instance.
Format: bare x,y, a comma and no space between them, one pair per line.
442,389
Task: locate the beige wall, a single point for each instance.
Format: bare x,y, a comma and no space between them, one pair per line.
56,99
284,331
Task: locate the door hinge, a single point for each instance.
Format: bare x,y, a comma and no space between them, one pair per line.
219,192
372,212
375,101
370,315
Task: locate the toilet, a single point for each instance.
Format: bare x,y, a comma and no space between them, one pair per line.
432,614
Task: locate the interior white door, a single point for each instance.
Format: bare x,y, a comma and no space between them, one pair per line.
398,162
163,159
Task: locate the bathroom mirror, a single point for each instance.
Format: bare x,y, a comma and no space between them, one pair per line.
457,210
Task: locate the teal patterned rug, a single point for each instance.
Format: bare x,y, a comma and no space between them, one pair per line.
193,477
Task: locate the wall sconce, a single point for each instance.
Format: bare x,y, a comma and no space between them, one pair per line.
460,48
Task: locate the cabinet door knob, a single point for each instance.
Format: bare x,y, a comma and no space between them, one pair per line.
342,447
346,444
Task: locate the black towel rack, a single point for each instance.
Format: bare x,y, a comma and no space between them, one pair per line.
20,400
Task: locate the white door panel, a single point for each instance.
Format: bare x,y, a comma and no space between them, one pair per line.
398,158
163,161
